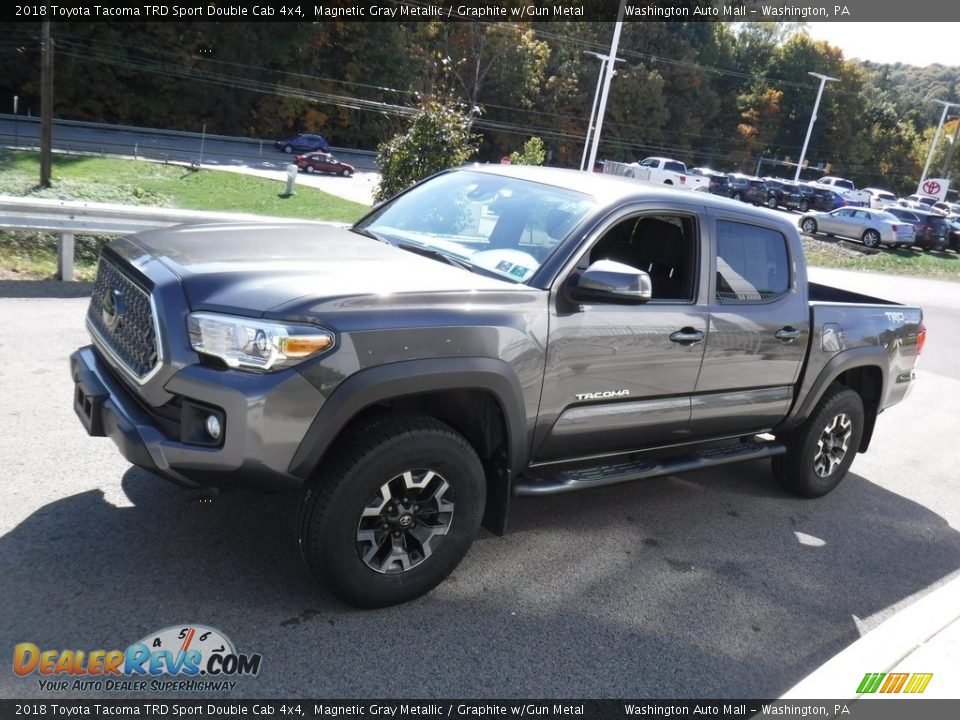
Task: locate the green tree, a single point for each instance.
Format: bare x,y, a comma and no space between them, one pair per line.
438,138
533,153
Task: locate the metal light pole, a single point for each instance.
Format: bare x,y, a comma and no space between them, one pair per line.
813,119
46,105
16,125
936,137
608,76
948,159
593,107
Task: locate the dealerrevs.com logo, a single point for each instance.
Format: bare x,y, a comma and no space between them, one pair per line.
894,683
199,657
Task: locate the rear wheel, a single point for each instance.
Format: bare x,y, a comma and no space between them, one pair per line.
395,512
809,226
346,172
738,196
804,205
871,238
820,451
772,202
288,149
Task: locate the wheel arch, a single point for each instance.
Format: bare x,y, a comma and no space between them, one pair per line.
863,370
480,398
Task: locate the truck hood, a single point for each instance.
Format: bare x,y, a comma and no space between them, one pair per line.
250,268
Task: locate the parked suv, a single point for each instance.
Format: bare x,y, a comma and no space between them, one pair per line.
932,228
719,182
779,192
747,188
822,199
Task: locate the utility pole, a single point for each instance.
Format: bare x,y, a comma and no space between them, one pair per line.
46,103
936,137
608,76
945,170
593,108
813,119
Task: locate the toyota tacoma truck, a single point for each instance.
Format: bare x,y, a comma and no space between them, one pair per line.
492,332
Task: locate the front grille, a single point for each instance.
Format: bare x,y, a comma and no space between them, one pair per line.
122,317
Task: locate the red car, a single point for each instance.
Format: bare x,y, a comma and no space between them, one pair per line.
323,162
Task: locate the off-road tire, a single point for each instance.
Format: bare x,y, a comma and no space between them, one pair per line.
796,470
377,453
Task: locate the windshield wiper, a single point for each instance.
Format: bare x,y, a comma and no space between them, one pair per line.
434,255
369,234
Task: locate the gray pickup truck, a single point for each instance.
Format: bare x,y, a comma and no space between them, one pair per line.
492,332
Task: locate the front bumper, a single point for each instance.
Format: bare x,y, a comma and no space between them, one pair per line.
265,419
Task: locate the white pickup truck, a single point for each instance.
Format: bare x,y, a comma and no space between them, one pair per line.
846,189
659,171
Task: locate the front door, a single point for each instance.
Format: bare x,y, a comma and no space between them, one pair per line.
619,377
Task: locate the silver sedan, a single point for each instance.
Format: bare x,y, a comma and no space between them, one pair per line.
873,227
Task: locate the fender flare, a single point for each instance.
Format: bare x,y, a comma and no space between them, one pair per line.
868,356
414,377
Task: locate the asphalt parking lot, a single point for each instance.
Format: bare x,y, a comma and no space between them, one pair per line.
711,584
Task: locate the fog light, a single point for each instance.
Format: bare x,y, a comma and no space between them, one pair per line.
213,427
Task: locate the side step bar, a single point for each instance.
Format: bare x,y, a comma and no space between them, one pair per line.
553,482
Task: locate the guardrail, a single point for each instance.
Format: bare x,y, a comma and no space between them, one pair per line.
67,219
23,131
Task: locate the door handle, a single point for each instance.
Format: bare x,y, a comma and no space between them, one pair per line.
686,336
787,334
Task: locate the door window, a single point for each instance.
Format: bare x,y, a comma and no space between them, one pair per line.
752,263
663,246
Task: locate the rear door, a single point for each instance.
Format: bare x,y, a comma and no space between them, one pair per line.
758,330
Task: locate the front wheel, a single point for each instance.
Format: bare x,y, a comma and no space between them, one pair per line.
395,512
820,451
804,205
809,226
772,202
871,238
346,172
738,196
310,169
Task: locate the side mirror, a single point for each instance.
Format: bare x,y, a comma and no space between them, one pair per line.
611,281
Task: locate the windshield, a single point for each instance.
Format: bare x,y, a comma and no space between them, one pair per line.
889,217
499,224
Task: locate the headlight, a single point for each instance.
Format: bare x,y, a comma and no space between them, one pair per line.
248,344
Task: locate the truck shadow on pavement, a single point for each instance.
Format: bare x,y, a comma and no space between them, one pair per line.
712,584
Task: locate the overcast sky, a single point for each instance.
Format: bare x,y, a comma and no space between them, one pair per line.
911,43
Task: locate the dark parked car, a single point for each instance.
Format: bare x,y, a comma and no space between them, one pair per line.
303,143
822,199
932,228
798,196
324,163
747,188
719,182
953,240
780,191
